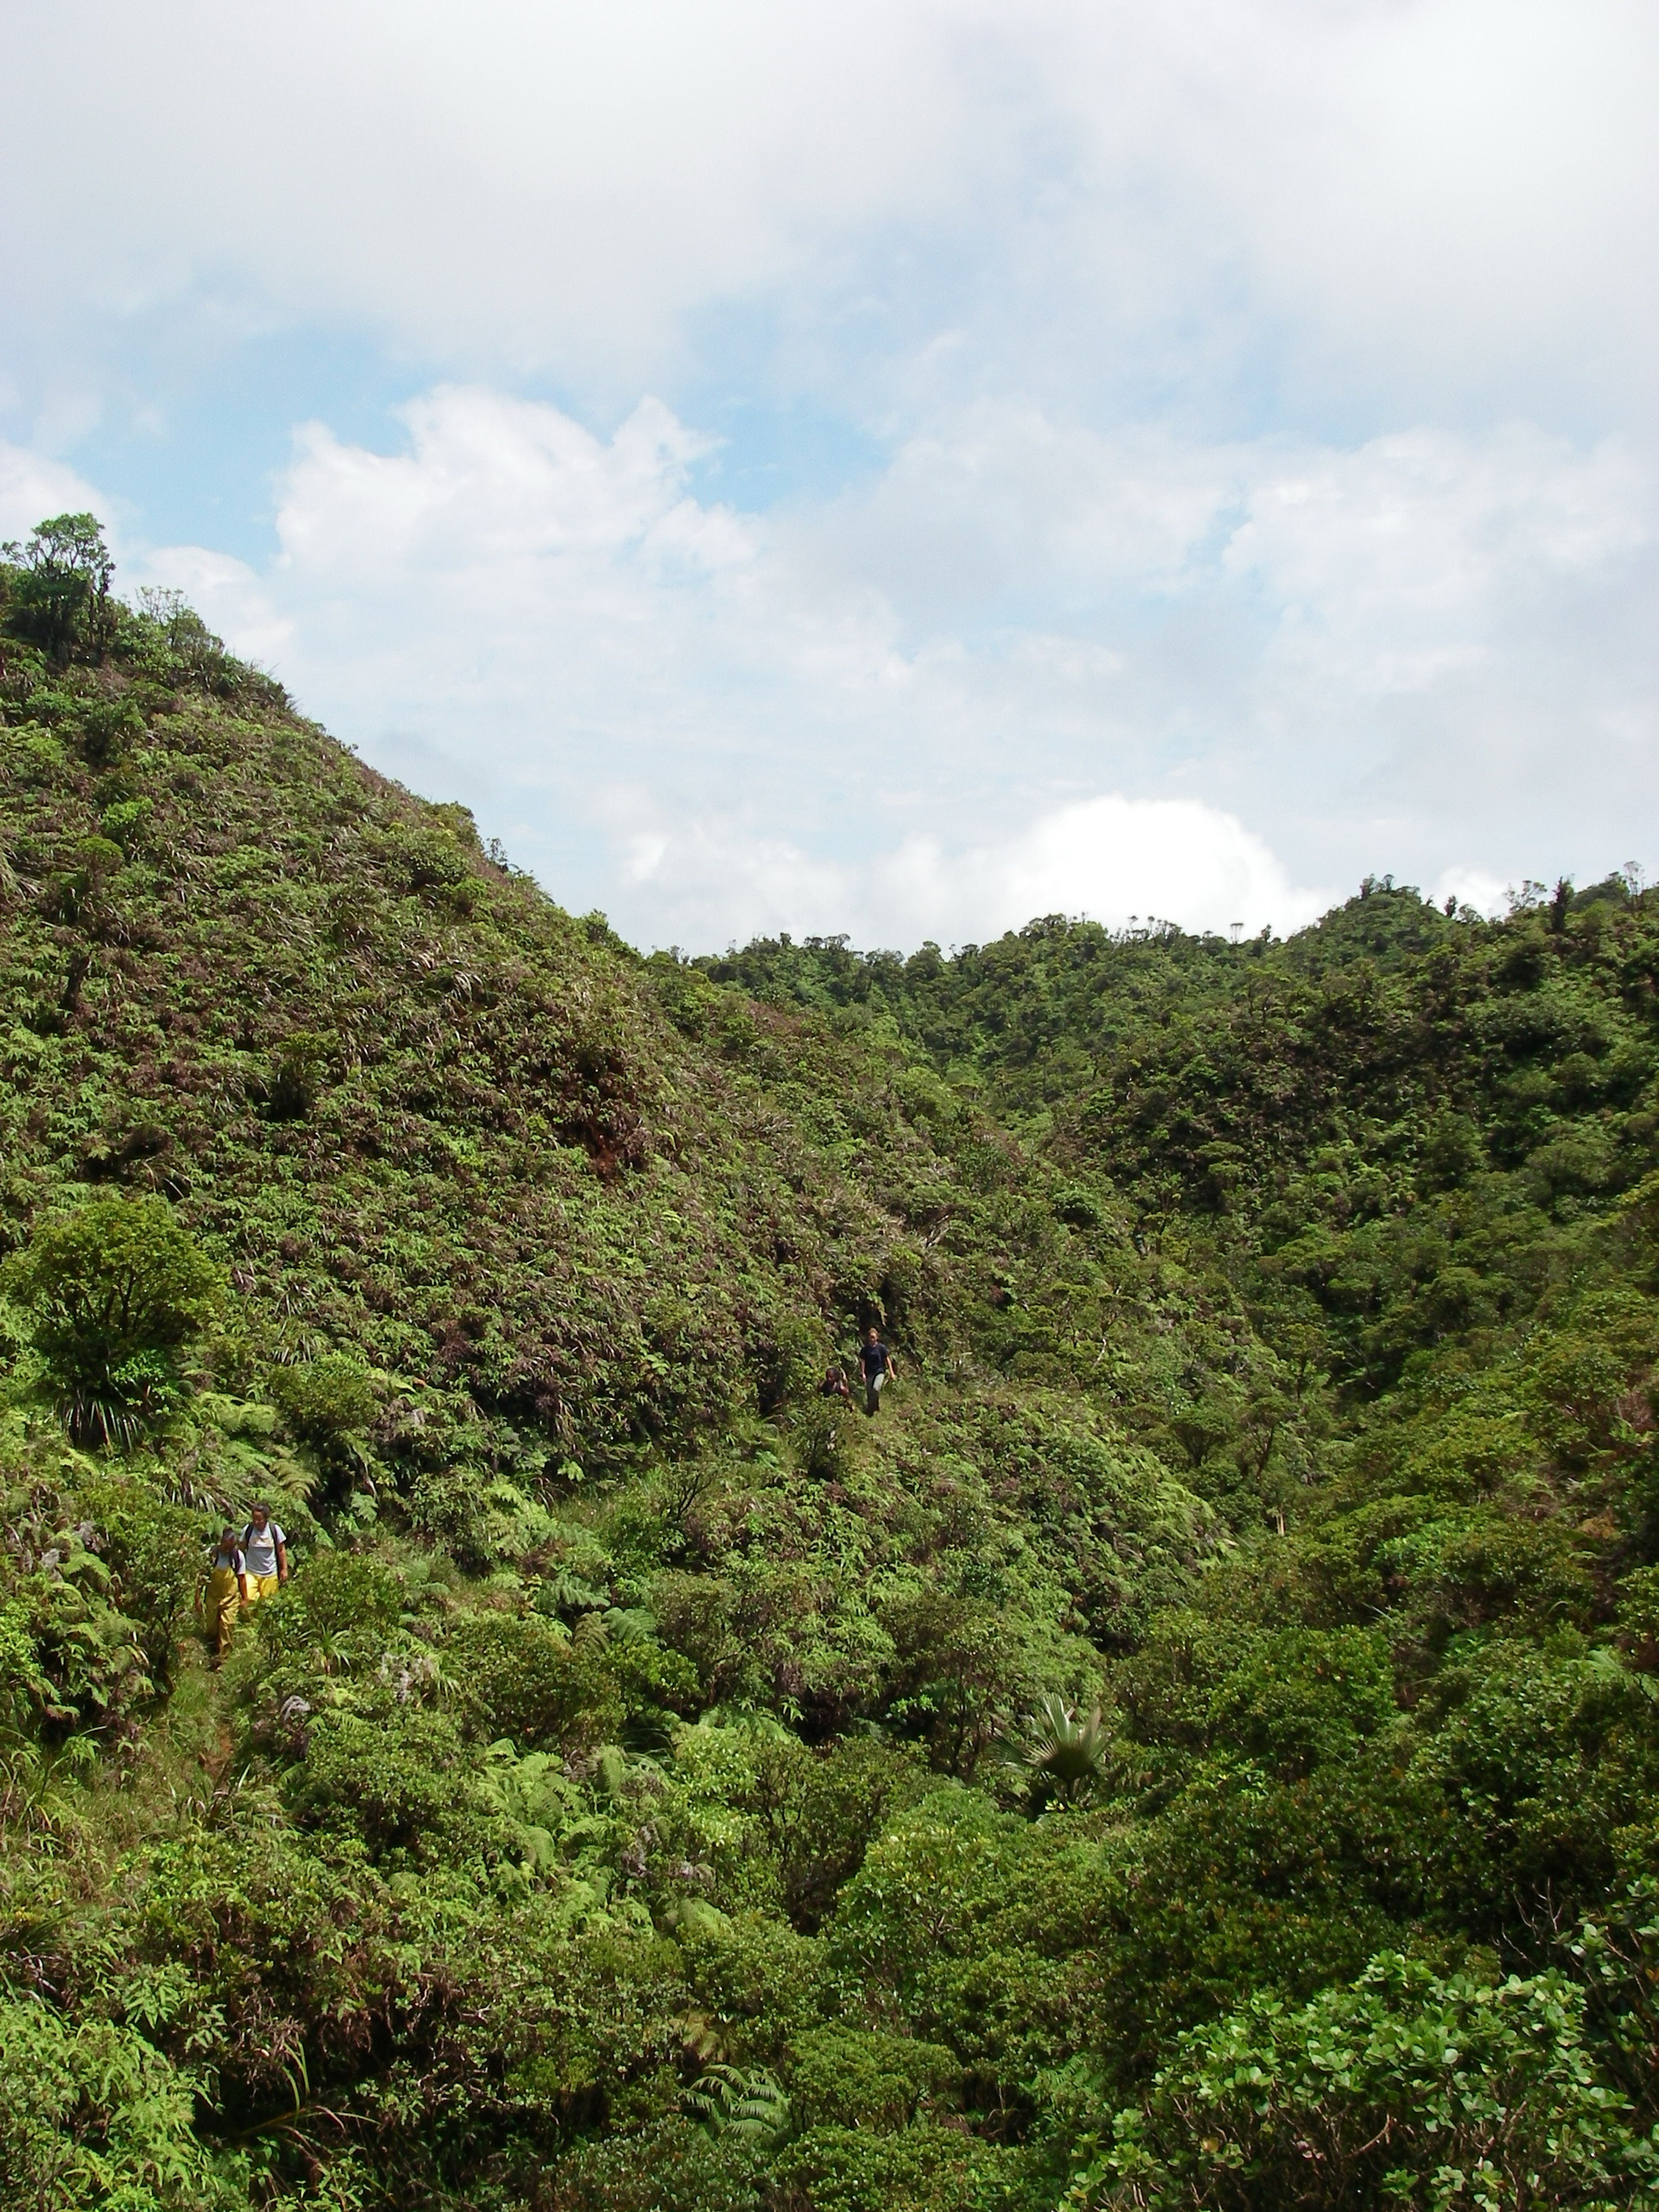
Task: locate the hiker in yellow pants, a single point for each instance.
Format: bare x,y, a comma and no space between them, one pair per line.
265,1548
226,1593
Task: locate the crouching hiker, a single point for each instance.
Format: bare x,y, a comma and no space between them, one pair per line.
226,1593
834,1384
265,1547
877,1366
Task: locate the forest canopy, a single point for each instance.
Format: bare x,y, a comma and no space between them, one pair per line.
1196,1744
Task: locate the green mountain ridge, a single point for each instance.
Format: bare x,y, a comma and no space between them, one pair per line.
1197,1745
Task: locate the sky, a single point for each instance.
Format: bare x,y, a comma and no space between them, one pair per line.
893,468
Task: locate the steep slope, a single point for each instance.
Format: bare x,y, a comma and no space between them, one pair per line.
421,1110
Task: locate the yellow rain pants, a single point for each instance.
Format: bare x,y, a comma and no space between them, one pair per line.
224,1600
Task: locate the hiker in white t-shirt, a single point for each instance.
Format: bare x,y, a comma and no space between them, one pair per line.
265,1550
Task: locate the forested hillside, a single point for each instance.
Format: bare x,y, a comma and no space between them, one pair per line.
1196,1744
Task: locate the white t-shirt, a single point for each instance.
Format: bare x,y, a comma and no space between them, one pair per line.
261,1550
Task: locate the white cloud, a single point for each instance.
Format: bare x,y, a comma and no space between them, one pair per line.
503,478
905,705
1118,857
1119,860
32,488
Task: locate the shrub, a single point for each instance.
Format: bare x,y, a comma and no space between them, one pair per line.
926,2168
340,1593
394,1780
524,1681
153,1553
819,1811
673,2162
859,2077
296,1074
327,1405
91,2114
324,1403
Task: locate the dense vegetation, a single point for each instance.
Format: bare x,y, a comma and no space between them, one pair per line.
1199,1745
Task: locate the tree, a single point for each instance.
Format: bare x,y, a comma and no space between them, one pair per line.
115,1289
61,599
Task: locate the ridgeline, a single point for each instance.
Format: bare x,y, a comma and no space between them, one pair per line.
1196,1746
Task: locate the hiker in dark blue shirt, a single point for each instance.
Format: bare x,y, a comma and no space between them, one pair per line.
877,1366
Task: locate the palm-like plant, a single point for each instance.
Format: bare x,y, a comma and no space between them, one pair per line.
1061,1754
333,1652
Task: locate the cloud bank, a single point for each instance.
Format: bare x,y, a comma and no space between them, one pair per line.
931,701
1423,197
1123,861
